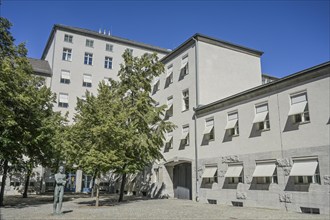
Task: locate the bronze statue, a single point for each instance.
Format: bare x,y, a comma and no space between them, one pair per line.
60,181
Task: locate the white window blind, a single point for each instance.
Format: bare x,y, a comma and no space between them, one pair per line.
169,71
87,78
64,98
65,74
209,124
209,171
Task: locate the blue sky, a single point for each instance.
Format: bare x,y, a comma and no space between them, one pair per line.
294,35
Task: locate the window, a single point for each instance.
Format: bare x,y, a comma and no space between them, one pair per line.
31,184
169,76
109,47
310,210
261,117
63,100
68,38
87,80
265,172
89,43
169,140
108,62
185,100
210,174
106,81
67,54
65,77
185,135
209,129
184,67
130,51
83,98
169,110
235,173
232,124
305,171
155,86
299,108
88,60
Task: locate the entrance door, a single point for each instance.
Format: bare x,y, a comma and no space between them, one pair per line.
182,181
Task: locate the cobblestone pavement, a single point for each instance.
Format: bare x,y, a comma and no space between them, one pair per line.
82,207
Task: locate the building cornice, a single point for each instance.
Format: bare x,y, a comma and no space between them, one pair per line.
321,70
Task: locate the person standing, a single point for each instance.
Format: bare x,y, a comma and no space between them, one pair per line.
60,181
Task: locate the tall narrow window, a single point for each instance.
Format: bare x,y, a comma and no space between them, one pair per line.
184,67
169,140
63,100
108,62
169,109
67,54
299,108
169,76
209,129
68,38
185,135
88,59
65,77
156,84
87,80
261,117
185,100
89,43
232,124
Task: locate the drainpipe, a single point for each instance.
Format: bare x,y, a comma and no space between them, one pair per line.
195,117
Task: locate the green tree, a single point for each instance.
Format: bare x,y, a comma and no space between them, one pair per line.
25,108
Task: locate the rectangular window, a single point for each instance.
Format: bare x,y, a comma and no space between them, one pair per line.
130,51
87,80
169,109
108,62
109,47
261,118
156,84
68,38
106,81
89,43
63,100
232,124
299,108
184,70
169,76
265,172
185,135
88,59
209,129
235,173
169,140
67,54
305,171
210,174
65,77
185,100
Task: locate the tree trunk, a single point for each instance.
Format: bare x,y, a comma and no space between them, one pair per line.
122,187
97,193
3,182
27,181
93,183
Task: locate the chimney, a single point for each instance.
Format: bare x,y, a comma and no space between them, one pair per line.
109,33
100,31
104,32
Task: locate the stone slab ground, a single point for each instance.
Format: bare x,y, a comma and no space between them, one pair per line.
82,207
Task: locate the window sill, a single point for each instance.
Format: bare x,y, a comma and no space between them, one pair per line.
263,130
302,123
185,110
235,135
67,60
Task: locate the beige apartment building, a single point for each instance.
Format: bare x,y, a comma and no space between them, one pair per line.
243,138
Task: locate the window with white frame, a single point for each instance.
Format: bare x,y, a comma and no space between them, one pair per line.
261,118
169,76
67,54
89,43
108,62
88,59
169,109
109,47
184,70
210,174
68,38
169,140
87,80
155,85
209,129
65,76
232,124
299,108
235,173
185,100
106,81
305,170
265,172
185,135
63,100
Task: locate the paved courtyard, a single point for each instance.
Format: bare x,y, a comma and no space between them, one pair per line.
82,207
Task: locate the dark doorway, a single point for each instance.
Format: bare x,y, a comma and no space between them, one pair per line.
182,181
